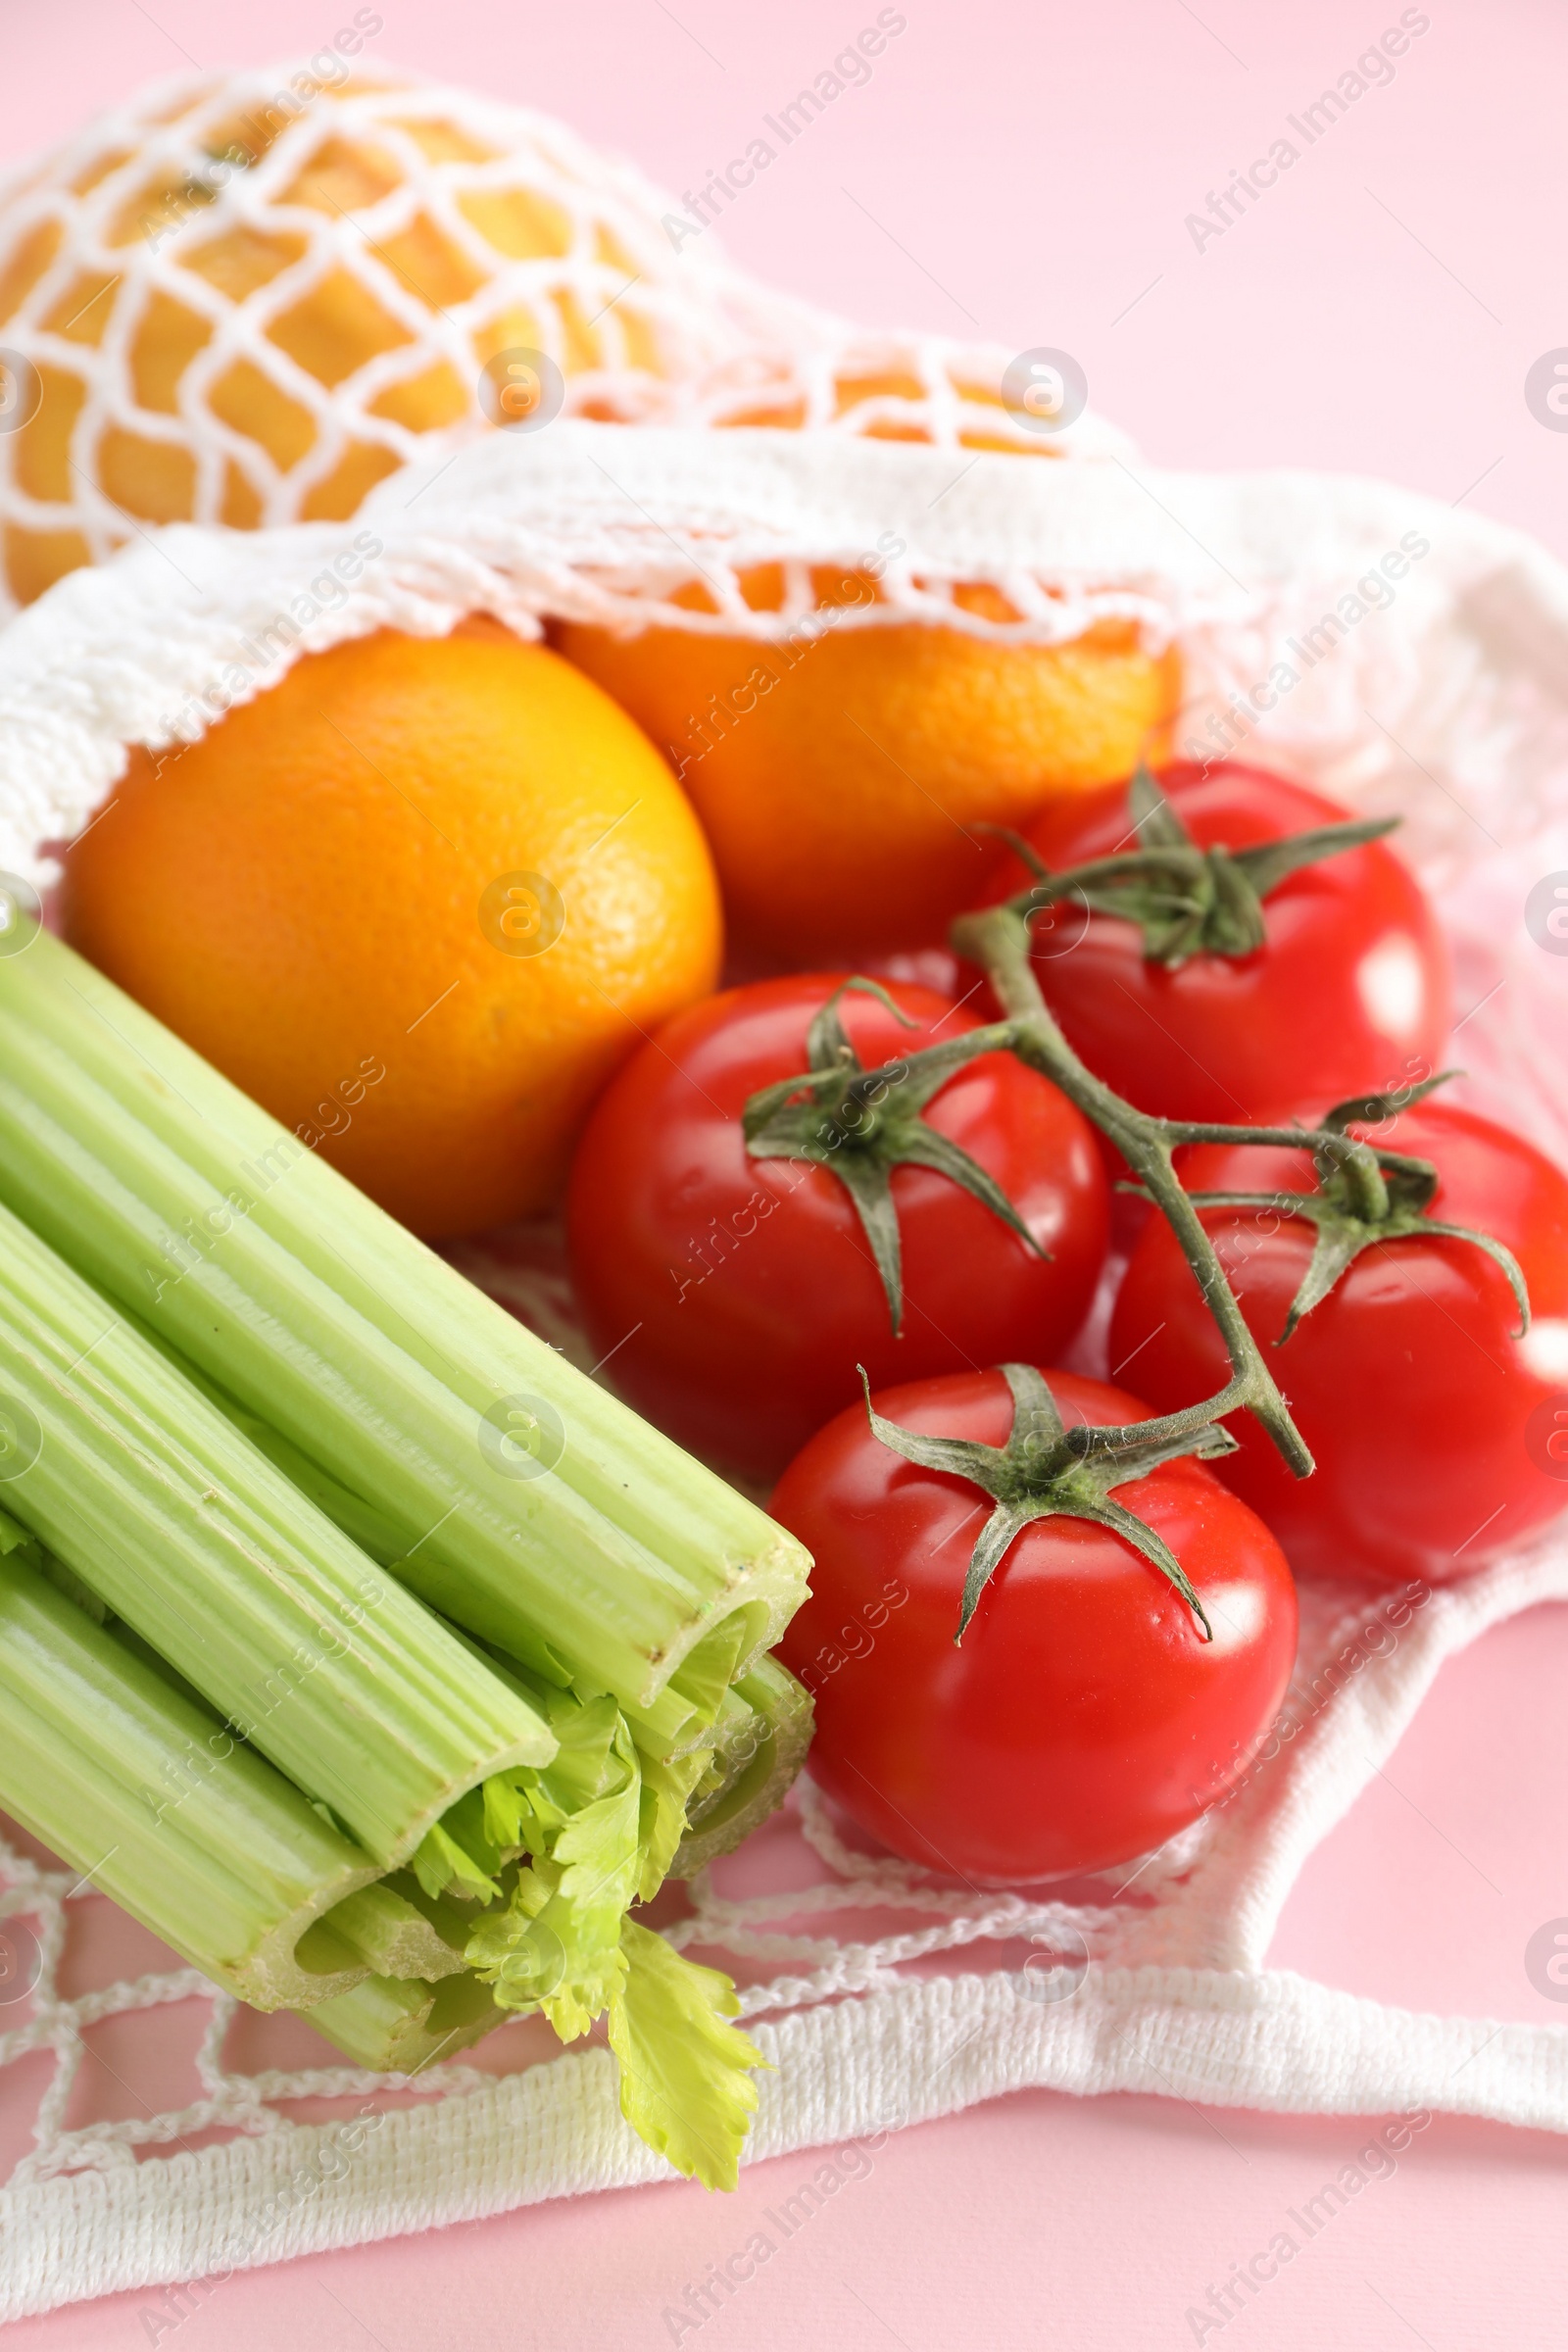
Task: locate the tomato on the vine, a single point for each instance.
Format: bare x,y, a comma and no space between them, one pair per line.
1350,990
1441,1435
1083,1719
733,1296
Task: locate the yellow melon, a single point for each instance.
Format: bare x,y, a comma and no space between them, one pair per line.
246,300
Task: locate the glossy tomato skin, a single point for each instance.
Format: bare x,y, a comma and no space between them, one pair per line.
1430,1420
739,1295
1083,1721
1352,991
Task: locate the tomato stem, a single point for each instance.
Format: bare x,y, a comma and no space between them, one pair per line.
996,939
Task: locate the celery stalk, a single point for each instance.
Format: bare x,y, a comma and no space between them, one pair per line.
184,1826
763,1734
397,1936
398,2028
149,1494
582,1530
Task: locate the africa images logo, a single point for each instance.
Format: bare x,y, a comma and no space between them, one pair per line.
1373,69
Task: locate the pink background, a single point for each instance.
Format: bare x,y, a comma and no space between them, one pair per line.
1023,175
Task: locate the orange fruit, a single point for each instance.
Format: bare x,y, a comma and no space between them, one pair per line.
419,899
841,783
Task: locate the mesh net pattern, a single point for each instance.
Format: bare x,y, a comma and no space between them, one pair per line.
45,1898
246,301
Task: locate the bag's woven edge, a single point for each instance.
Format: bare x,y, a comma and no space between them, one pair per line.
152,647
907,2054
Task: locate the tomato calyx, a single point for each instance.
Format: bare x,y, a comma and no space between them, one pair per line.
861,1124
1187,901
1365,1198
1045,1470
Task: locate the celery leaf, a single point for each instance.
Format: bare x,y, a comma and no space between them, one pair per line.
442,1867
686,2083
667,1787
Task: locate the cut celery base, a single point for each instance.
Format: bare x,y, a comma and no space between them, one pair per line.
399,1931
396,2027
760,1754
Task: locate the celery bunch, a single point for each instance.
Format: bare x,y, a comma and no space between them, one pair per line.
531,1507
365,1582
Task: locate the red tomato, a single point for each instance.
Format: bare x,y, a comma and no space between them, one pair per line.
1431,1422
739,1295
1084,1720
1351,993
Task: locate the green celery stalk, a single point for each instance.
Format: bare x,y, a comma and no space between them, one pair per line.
764,1731
226,1860
581,1536
328,1667
187,1829
397,1931
398,2028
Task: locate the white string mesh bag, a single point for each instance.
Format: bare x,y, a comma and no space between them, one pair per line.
246,300
1446,703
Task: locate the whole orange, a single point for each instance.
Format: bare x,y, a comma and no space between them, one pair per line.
844,783
419,899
